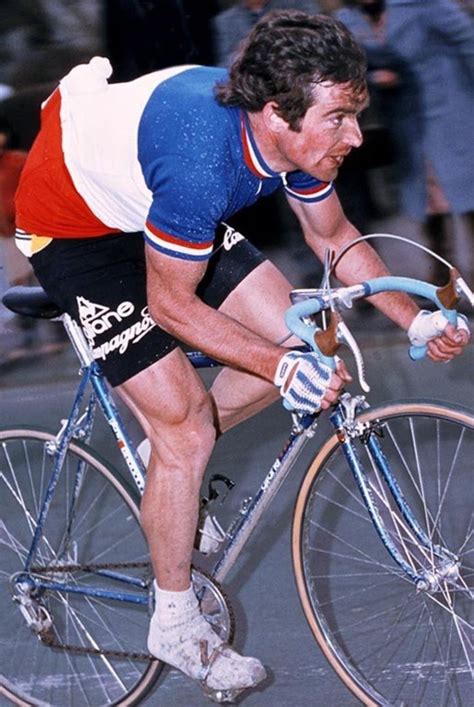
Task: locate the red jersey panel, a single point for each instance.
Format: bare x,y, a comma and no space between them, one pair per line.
49,202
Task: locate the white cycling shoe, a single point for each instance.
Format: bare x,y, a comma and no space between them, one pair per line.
191,645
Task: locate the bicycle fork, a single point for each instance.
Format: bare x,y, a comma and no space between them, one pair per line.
427,564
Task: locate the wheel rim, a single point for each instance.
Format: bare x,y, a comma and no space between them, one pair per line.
105,530
359,608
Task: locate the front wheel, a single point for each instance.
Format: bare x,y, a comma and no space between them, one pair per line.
61,647
393,643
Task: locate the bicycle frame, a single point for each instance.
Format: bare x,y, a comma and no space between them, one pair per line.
252,509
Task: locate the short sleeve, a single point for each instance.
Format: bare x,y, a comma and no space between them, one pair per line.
188,203
303,187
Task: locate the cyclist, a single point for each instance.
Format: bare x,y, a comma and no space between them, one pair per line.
118,208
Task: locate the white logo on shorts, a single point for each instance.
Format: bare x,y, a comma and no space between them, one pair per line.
97,319
231,237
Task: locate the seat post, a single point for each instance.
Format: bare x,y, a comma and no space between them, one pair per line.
78,340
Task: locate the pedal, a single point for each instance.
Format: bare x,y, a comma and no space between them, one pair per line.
221,696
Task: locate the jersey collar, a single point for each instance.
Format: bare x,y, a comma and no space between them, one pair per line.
252,155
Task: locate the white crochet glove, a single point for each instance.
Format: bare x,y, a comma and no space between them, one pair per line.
428,325
303,380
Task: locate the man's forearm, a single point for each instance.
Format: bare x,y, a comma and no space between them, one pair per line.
217,335
363,263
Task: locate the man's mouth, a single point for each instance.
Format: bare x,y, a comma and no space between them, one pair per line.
337,160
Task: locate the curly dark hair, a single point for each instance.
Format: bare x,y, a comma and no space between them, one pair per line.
285,56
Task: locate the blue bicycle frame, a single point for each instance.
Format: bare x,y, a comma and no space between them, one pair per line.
250,514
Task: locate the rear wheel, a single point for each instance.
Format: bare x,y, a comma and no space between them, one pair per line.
86,543
391,642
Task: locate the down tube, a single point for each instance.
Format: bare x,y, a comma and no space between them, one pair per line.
264,496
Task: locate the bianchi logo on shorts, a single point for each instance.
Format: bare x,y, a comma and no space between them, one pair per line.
231,237
96,319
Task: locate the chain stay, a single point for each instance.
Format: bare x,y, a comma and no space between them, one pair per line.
47,638
52,569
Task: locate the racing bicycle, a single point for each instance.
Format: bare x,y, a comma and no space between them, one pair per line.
382,539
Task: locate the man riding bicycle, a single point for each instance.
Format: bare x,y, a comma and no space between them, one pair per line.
119,209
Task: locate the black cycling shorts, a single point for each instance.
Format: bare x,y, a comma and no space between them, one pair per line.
101,283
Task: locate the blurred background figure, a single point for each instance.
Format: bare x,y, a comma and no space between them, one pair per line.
421,73
41,40
17,270
232,25
147,35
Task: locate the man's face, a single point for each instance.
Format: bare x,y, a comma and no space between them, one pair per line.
329,131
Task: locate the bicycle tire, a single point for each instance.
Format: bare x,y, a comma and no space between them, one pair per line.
389,643
34,673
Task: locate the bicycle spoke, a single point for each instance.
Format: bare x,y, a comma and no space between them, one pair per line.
407,467
97,525
448,480
381,658
398,644
364,555
86,639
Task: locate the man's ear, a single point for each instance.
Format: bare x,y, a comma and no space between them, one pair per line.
273,121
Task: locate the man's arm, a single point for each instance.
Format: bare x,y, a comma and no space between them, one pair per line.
174,305
325,226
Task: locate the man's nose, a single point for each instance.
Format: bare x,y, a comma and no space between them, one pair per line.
354,134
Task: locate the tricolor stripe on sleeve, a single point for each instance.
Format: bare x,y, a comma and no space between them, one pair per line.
177,247
314,193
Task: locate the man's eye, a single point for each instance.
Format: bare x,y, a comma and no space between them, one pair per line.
337,120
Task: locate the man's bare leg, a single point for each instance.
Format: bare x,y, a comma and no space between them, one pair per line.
175,412
172,406
170,402
259,302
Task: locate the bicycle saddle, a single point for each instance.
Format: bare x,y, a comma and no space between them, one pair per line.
31,302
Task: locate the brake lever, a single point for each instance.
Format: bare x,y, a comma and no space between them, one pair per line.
329,340
344,336
463,290
450,294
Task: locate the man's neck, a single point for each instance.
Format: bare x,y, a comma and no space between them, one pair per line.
266,142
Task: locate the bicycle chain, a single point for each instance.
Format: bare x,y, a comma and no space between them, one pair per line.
47,638
40,569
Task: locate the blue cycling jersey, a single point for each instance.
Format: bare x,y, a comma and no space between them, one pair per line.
157,154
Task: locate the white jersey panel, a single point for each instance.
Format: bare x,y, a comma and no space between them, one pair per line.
99,125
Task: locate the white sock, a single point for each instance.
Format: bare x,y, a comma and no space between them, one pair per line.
181,636
172,608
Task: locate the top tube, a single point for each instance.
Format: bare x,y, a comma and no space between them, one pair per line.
200,360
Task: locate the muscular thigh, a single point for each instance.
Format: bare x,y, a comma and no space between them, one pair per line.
259,303
168,394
